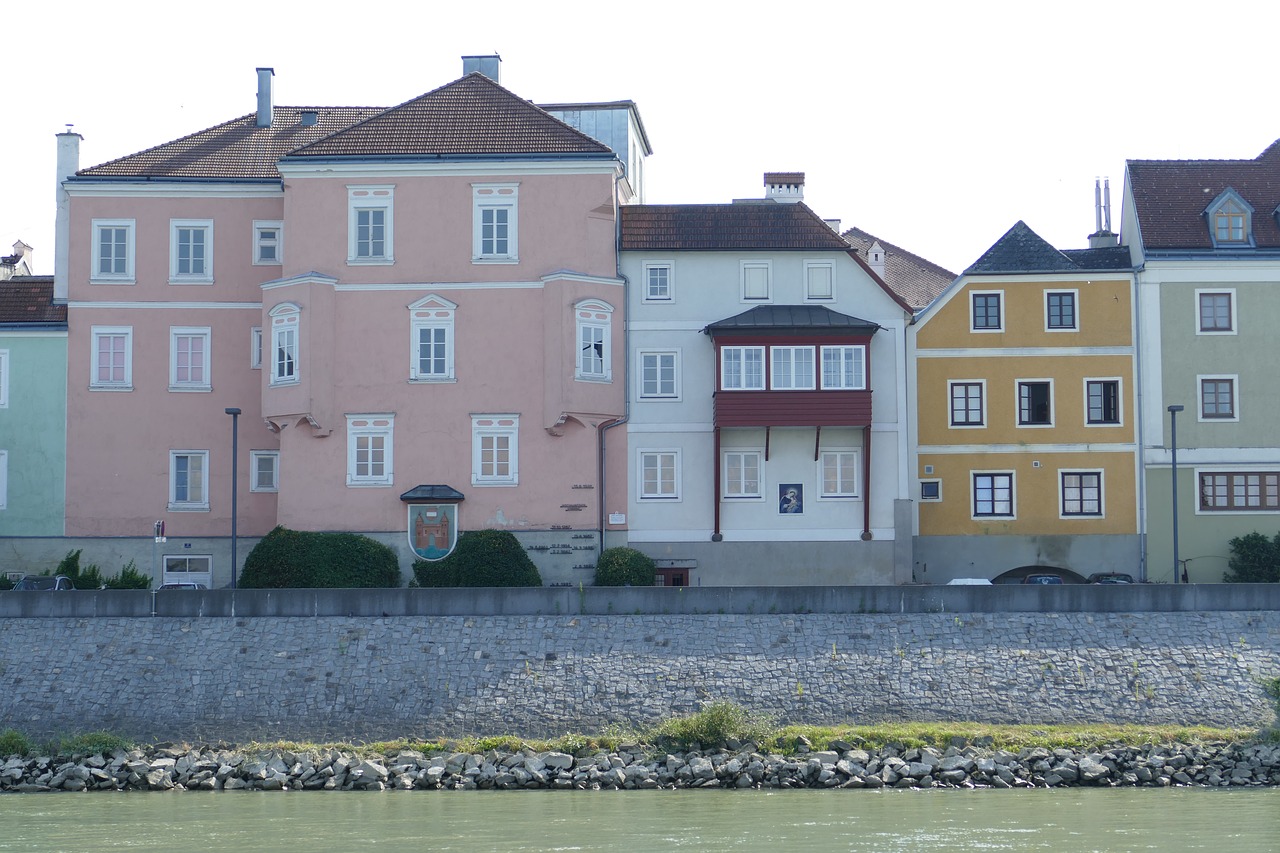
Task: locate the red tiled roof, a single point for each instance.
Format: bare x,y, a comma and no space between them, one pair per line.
915,280
472,115
1171,197
752,225
29,299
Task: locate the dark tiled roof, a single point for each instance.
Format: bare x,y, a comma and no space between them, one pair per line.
1023,250
757,225
435,493
29,299
234,149
764,318
783,178
1171,197
470,116
916,281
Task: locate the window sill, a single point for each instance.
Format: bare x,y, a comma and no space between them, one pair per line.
109,280
839,498
265,491
433,380
173,507
660,498
371,262
369,484
283,383
268,263
499,483
198,280
598,380
110,387
495,260
190,389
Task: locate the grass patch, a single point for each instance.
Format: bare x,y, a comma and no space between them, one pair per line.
714,725
14,743
88,743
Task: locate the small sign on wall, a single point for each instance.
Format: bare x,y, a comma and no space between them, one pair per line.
617,518
791,498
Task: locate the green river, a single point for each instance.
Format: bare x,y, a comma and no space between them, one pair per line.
1067,819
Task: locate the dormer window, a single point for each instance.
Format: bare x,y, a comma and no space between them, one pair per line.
1230,220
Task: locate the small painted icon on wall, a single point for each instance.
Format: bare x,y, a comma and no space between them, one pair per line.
791,498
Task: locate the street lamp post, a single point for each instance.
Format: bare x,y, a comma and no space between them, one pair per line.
235,458
1173,443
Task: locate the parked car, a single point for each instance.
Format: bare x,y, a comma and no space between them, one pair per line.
1042,579
44,582
183,585
1109,577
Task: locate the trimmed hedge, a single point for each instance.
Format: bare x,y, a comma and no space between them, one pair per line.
482,558
287,559
625,567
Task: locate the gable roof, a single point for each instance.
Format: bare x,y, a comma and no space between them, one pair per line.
785,318
27,300
1170,197
754,226
916,280
1022,250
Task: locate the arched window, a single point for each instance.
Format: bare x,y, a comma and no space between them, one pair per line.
285,321
594,325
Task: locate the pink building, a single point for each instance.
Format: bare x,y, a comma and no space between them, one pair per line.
421,296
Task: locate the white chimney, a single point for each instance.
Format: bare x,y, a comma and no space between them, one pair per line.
784,186
1102,238
68,165
265,103
490,65
875,258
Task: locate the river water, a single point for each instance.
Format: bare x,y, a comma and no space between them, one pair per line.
1079,820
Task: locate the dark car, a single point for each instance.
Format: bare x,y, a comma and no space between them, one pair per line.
1109,577
1042,579
44,582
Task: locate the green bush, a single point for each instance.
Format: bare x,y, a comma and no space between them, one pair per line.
86,578
5,583
129,578
625,567
713,726
1254,559
482,558
294,558
14,743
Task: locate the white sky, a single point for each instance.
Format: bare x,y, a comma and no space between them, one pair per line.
934,125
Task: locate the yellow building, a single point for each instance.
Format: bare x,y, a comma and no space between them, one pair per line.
1025,424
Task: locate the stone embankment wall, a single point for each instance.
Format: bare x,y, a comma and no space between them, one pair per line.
368,678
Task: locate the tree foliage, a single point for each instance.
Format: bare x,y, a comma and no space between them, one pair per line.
625,567
482,558
1254,559
286,559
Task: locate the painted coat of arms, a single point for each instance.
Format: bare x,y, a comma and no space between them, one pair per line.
433,530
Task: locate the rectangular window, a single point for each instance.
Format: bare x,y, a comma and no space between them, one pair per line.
993,495
188,568
189,358
434,353
792,368
1218,398
1103,400
370,224
4,379
112,358
495,450
930,490
844,368
985,312
370,450
190,251
839,470
265,473
255,348
595,357
495,212
1239,491
659,475
659,375
756,282
1081,493
1229,222
1216,312
1034,403
659,281
966,404
188,491
742,368
818,281
1060,310
112,252
268,242
742,474
285,320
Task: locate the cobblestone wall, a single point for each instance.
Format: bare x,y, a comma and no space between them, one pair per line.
373,678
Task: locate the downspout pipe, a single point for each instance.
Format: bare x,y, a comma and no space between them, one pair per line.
601,437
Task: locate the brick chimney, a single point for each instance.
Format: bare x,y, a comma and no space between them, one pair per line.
786,187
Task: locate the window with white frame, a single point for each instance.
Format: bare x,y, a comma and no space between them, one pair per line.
370,224
1215,312
495,450
757,281
993,495
741,477
431,324
967,403
659,375
594,320
659,475
659,281
1035,402
255,348
1239,491
1102,399
1218,398
369,449
986,311
1060,311
190,251
930,490
1081,493
264,470
844,368
189,358
495,223
742,368
285,321
839,473
188,486
4,379
792,369
188,568
268,242
113,242
819,280
111,367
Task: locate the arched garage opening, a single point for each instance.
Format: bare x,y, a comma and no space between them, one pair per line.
1017,575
